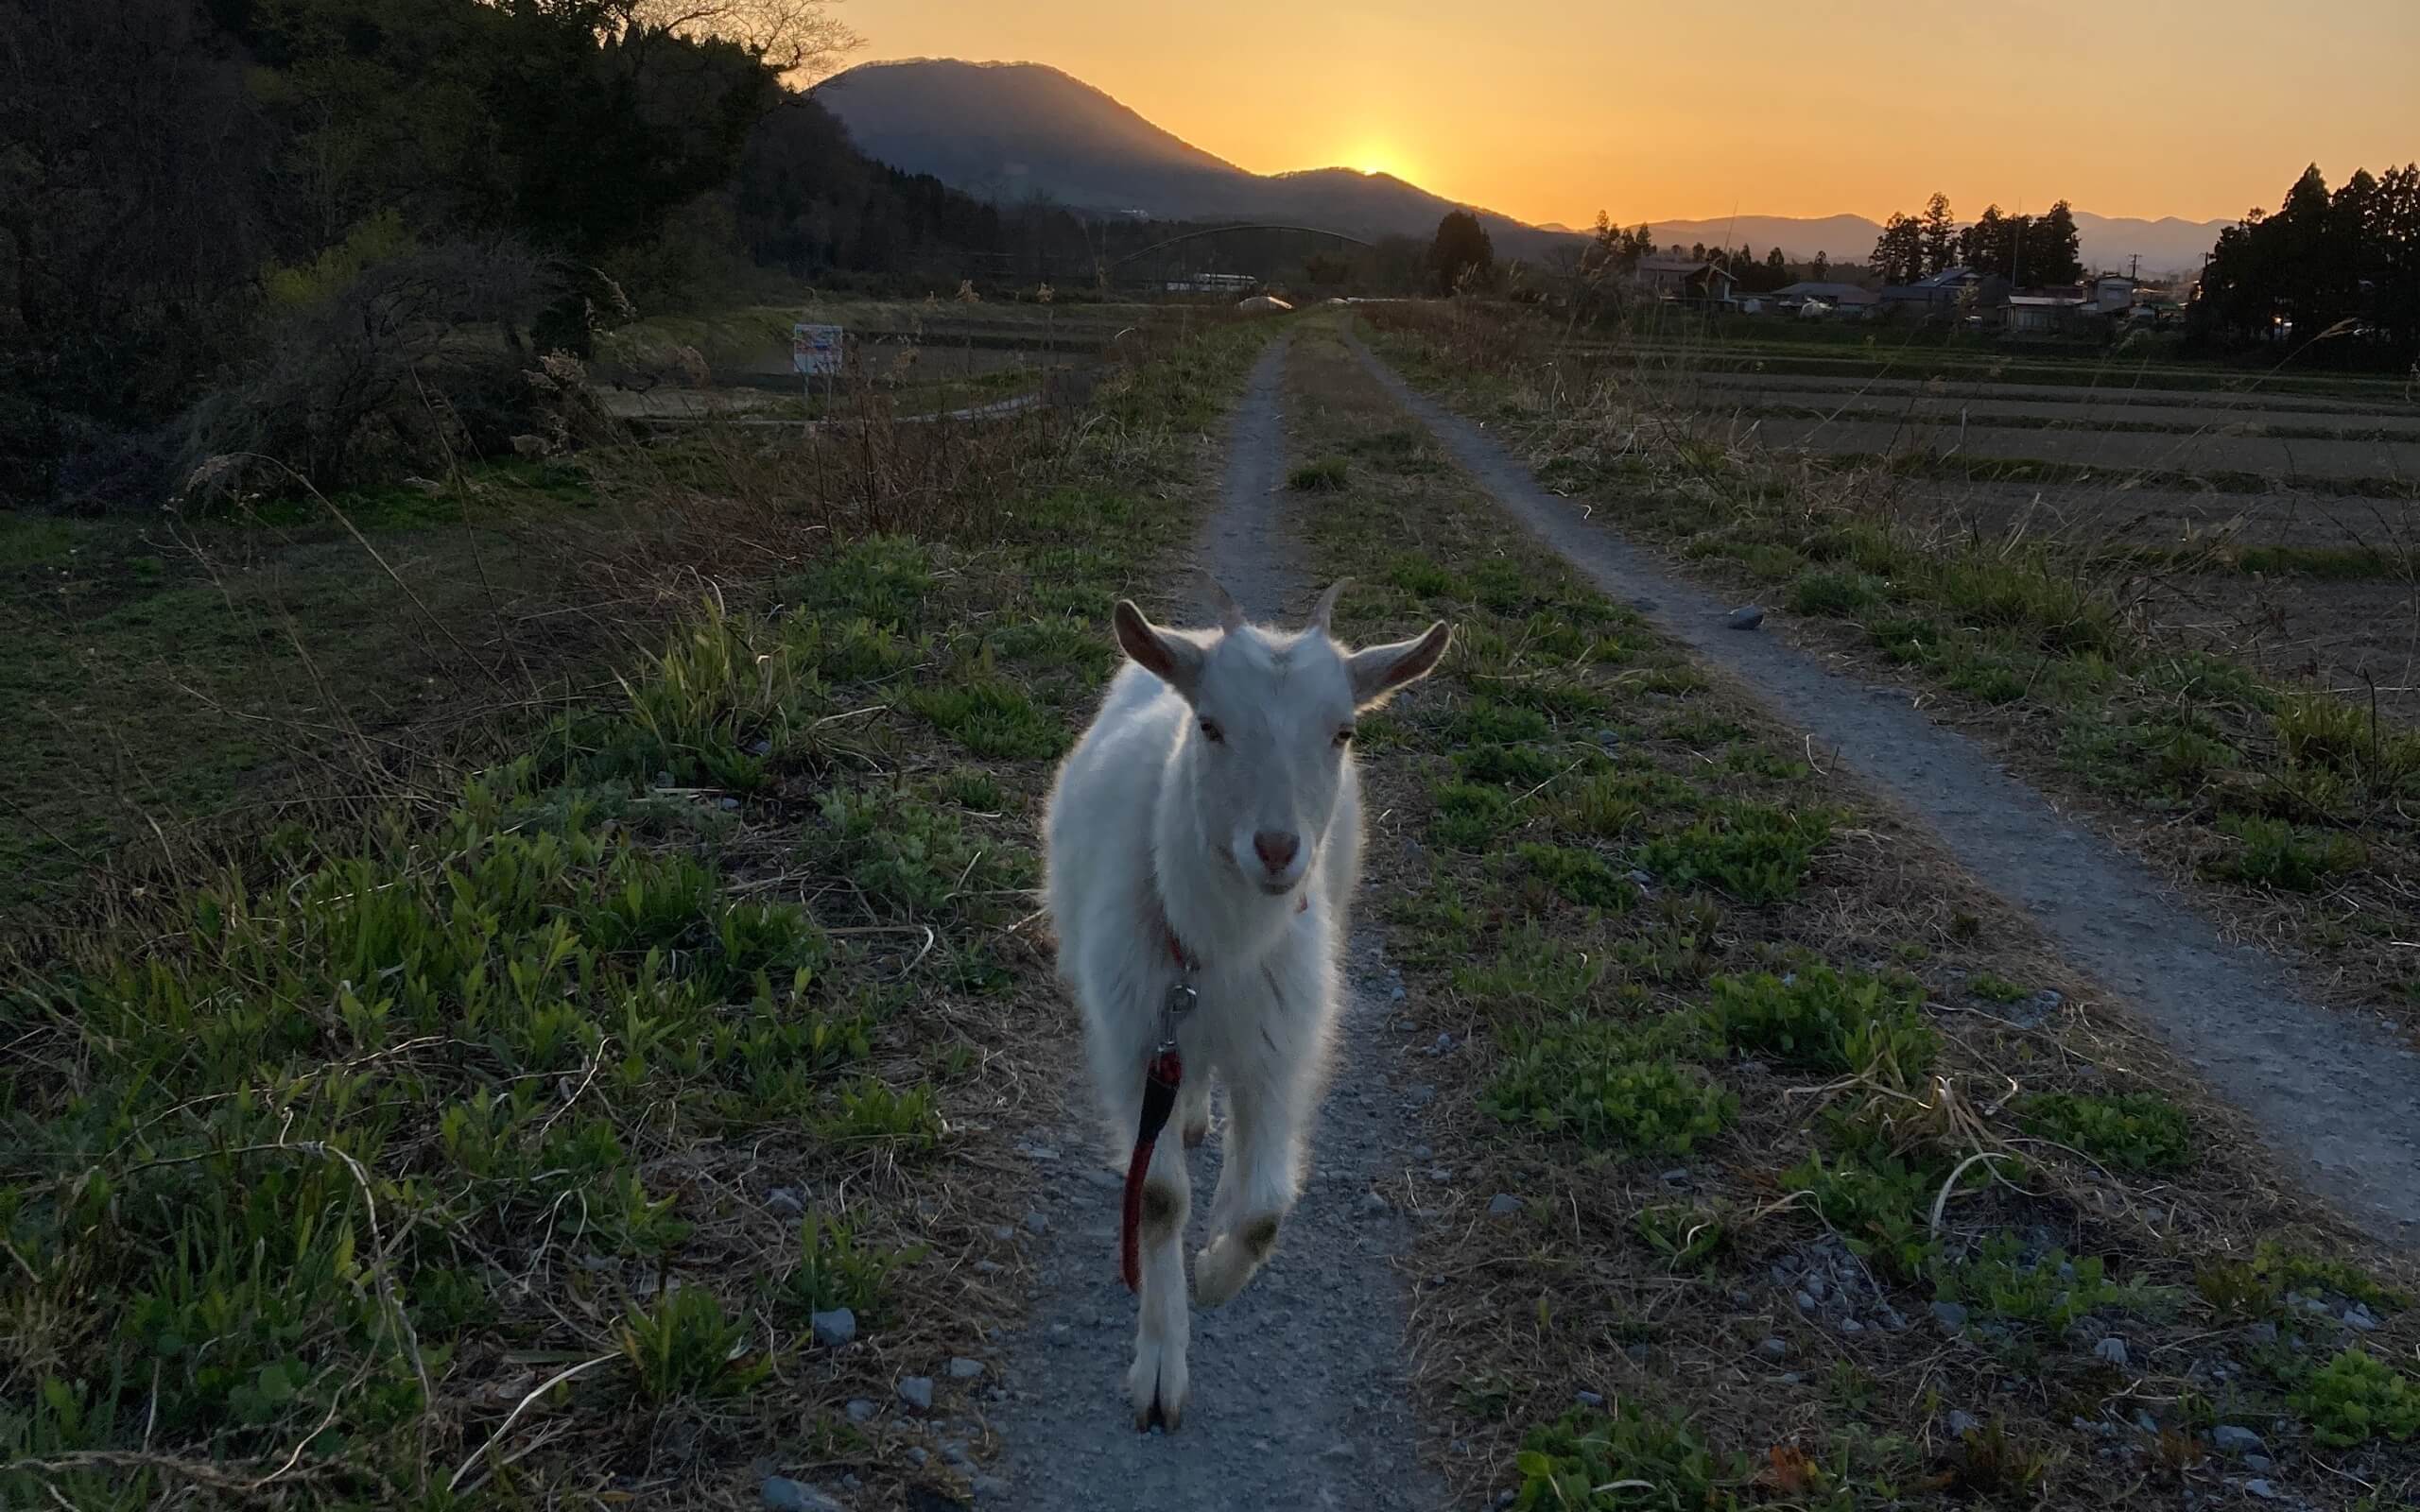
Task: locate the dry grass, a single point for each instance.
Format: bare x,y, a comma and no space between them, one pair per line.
1620,1069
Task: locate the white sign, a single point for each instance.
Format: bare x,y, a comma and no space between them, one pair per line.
815,349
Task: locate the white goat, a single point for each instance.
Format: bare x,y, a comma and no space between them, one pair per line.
1206,834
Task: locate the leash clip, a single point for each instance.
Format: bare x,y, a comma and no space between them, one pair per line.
1174,1010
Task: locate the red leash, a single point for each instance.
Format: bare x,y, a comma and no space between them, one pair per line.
1161,1080
1162,1077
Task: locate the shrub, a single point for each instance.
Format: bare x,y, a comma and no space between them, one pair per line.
398,369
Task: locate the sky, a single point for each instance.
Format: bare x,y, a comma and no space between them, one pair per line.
1550,110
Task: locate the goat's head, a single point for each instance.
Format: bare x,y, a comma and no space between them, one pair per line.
1273,725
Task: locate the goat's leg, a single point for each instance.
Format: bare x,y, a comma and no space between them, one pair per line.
1193,1109
1156,1384
1263,1153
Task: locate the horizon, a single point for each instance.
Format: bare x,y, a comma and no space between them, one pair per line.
1531,144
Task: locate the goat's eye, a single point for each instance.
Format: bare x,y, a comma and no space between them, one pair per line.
1211,732
1344,736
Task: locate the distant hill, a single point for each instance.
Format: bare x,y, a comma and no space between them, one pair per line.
2168,245
1009,132
1017,131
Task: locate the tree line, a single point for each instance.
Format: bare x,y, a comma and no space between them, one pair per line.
2331,273
2028,250
271,225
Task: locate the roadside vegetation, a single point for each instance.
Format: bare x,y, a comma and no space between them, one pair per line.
2284,794
1775,1163
594,1121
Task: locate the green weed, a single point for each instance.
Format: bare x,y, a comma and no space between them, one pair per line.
1589,1081
1684,1235
1827,1021
870,1112
1470,816
2050,1291
1577,876
1327,474
2129,1131
2289,857
882,578
1627,1459
2355,1397
684,1345
833,1270
1750,851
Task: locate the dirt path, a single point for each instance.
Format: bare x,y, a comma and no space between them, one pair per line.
2338,1100
1299,1394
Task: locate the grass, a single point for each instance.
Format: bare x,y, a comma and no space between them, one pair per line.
2092,657
497,1145
1325,475
1711,1021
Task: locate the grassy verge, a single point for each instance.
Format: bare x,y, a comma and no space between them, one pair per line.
2290,805
526,1145
1776,1164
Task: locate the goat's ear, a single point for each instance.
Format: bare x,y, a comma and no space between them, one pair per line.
1230,614
1324,610
1377,671
1173,658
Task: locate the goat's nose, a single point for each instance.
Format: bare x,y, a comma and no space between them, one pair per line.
1276,849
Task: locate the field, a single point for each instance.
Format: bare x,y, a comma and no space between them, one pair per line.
921,356
531,990
2096,621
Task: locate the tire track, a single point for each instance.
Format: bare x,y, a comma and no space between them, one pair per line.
2340,1101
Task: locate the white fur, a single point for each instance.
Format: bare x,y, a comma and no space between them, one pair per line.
1153,818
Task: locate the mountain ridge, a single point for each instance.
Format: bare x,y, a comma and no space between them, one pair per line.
1011,132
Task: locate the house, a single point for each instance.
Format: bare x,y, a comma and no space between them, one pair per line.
2042,313
1842,301
2111,293
1940,295
1684,279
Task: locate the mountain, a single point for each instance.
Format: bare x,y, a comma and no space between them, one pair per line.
2168,245
1017,131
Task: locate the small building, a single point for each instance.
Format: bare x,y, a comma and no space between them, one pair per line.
2042,313
1684,279
2111,293
1940,295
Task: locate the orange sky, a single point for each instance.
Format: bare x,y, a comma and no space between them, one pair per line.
1548,110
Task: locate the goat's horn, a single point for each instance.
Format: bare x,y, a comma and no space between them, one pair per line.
1230,614
1326,608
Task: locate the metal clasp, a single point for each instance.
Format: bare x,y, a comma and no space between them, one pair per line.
1174,1008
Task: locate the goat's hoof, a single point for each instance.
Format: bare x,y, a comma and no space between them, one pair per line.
1156,1387
1197,1135
1221,1268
